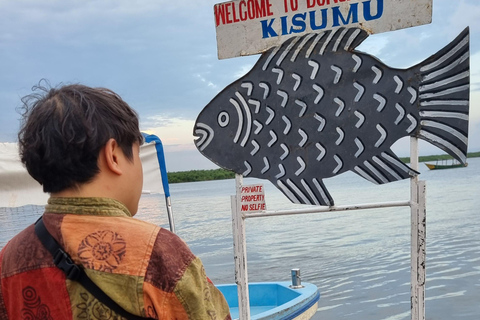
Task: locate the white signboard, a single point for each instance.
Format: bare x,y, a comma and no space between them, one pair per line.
252,198
246,27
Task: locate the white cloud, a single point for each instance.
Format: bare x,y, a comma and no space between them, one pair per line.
375,45
207,82
172,131
99,22
243,70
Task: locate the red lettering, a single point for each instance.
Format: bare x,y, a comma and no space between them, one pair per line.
320,3
260,9
256,197
293,5
219,13
227,11
269,8
235,19
243,10
232,12
248,189
251,9
256,207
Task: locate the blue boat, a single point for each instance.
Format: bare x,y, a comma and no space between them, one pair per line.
275,300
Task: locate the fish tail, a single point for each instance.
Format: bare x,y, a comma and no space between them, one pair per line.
444,98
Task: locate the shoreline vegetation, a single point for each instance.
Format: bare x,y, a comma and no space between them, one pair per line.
220,174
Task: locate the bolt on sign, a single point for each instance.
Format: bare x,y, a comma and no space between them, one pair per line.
252,198
246,27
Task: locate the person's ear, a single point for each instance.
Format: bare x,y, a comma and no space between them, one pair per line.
112,155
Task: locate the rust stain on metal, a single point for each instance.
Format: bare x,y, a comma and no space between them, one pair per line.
368,30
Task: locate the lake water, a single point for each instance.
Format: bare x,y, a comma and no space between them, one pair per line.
359,260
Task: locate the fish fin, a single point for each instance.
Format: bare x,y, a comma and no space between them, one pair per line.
349,38
346,39
305,191
444,98
384,168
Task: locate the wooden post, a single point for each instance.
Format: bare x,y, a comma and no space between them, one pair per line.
418,237
240,252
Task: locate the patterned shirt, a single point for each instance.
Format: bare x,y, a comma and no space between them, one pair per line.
146,269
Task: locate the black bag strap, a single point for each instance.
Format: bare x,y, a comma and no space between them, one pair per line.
76,273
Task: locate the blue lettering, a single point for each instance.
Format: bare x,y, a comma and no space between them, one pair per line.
352,13
284,25
324,20
267,29
367,13
298,21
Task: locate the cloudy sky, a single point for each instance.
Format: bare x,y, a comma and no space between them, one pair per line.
160,56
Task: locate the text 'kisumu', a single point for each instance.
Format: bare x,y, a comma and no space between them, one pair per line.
319,14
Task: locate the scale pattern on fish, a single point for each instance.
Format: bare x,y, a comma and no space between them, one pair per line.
314,107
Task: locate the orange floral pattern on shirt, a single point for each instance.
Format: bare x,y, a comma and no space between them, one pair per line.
102,250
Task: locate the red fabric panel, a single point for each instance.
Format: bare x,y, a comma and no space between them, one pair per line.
3,311
37,294
53,222
23,253
168,262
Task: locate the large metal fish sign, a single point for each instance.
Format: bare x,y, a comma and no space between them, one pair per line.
315,107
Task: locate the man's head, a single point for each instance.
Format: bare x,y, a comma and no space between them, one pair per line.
66,129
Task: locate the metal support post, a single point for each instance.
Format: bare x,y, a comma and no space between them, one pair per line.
170,214
418,237
240,252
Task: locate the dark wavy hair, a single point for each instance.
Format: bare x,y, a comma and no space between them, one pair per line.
64,129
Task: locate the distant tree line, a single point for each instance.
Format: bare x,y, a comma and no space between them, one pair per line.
199,175
439,157
220,174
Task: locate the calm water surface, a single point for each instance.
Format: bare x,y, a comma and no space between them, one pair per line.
359,260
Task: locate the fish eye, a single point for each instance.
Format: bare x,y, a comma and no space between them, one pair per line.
223,119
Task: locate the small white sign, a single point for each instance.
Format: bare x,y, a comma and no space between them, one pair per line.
246,27
252,198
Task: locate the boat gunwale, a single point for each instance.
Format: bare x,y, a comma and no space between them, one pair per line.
308,296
